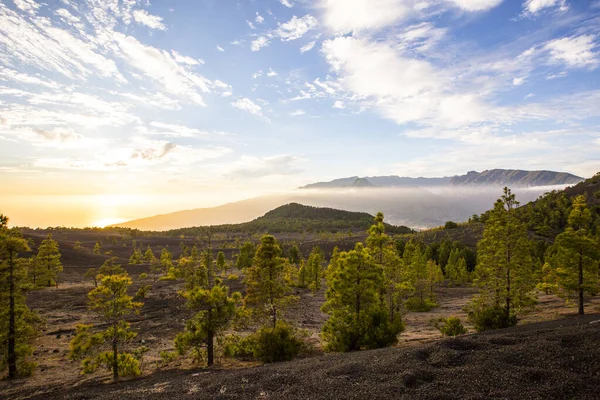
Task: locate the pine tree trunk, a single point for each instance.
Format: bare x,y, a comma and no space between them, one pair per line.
210,348
581,312
12,355
115,365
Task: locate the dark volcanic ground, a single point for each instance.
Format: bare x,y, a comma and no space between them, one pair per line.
549,360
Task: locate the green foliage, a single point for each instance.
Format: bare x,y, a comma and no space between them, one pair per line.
232,277
297,218
451,327
450,225
97,248
281,343
142,292
504,273
456,269
314,269
77,246
491,317
575,265
149,256
221,262
246,256
137,257
47,262
266,287
240,347
214,312
110,302
93,274
17,322
358,317
415,304
111,267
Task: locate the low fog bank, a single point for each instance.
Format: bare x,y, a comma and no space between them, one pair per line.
416,207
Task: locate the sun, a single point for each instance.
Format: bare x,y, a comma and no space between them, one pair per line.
104,222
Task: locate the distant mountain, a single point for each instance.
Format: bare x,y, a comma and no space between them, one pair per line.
415,202
515,178
298,218
494,177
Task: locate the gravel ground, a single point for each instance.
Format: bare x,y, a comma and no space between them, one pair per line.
549,360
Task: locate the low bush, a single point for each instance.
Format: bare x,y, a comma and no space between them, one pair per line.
493,317
451,327
415,304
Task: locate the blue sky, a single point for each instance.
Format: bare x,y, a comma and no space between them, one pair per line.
222,99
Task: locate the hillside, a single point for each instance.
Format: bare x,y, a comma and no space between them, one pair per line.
548,360
495,177
298,218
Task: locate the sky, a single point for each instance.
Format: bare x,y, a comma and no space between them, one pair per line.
117,109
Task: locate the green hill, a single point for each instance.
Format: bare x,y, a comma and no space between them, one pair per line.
298,218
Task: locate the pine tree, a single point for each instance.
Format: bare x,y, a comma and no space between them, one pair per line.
48,259
214,311
314,265
245,256
221,262
17,322
578,255
137,257
111,267
97,248
166,260
77,246
112,305
504,271
149,256
266,289
358,317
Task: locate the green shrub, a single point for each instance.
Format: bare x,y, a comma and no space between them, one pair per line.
450,225
415,304
233,277
142,292
452,327
279,344
239,347
493,317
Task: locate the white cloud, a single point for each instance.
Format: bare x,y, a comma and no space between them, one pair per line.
259,19
574,51
43,46
176,130
271,73
250,24
151,21
29,6
296,27
245,104
476,5
561,74
400,88
307,47
530,95
533,7
220,48
339,105
518,81
185,59
259,43
257,74
257,167
421,37
287,3
163,68
15,76
297,113
342,16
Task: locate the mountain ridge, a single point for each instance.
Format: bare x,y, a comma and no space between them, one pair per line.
510,177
